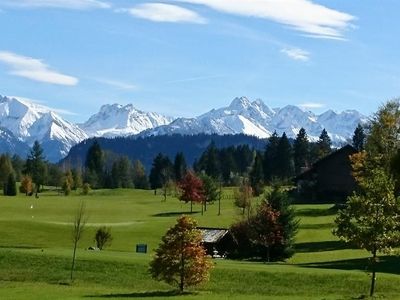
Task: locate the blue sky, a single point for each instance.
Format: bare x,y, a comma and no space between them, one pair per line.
185,57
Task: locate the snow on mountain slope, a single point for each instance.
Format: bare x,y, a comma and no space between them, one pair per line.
29,122
118,120
258,119
11,145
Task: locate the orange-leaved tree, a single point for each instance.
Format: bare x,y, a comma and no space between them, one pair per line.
191,188
180,259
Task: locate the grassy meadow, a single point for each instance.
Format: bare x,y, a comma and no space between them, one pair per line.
36,250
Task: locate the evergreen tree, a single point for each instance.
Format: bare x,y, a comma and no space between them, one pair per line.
36,166
18,166
160,172
301,149
121,173
359,138
180,167
256,175
212,167
280,201
95,165
11,187
284,159
323,144
270,157
227,164
5,170
56,175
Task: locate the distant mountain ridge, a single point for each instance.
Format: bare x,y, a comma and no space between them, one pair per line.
24,122
258,119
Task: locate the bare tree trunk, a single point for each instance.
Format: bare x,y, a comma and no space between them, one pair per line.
79,225
373,277
73,261
191,206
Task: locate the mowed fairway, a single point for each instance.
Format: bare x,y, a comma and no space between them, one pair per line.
36,250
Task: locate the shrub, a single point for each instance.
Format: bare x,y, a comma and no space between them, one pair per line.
86,188
103,237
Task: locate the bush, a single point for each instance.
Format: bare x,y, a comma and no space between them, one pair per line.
86,188
103,237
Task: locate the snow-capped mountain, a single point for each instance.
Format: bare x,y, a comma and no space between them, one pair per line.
28,122
22,122
258,119
118,120
11,145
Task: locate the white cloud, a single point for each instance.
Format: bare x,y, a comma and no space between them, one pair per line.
296,53
311,105
34,69
161,12
303,15
116,83
69,4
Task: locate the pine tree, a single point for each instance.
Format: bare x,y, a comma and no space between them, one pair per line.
5,170
11,187
161,171
359,138
95,164
280,201
301,149
323,144
212,167
180,167
36,166
284,159
256,175
270,157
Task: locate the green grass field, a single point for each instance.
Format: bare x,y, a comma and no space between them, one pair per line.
36,250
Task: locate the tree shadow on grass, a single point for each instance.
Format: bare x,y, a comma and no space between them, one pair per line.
150,294
316,212
175,213
386,264
321,246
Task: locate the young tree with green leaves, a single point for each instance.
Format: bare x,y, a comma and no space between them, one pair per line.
371,219
6,169
211,190
242,197
180,259
161,172
140,180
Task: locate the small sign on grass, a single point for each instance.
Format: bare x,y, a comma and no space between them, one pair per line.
141,248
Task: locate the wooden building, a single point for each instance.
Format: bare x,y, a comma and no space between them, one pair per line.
217,241
329,179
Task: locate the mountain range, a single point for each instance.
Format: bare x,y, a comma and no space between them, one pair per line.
22,122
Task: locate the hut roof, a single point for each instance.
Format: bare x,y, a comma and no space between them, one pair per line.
212,235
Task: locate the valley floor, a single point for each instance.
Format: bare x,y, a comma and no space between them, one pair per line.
36,251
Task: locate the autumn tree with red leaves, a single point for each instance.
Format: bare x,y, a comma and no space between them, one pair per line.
192,190
180,259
